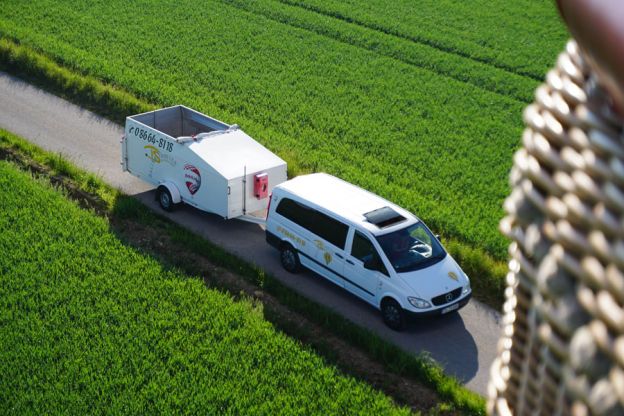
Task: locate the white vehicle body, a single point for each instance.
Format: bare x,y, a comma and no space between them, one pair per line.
326,222
200,161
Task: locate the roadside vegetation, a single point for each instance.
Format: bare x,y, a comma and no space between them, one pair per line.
421,104
149,237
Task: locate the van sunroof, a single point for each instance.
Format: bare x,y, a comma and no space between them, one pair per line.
384,217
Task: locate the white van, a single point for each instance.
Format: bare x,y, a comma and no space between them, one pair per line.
365,244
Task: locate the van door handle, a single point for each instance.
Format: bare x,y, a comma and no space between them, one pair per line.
339,256
350,262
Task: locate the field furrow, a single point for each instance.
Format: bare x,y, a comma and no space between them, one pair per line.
458,28
418,54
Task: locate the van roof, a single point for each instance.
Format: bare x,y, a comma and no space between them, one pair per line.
350,202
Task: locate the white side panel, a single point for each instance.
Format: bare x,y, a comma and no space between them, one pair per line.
235,198
202,186
149,154
241,202
155,157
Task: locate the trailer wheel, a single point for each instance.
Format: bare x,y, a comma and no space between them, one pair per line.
164,199
392,314
290,258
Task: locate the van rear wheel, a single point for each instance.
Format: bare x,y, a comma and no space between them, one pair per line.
290,259
392,314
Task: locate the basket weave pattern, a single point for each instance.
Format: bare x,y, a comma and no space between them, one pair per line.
562,349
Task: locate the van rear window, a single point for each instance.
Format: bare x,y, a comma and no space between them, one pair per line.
324,226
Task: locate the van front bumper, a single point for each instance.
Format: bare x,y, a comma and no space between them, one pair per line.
414,316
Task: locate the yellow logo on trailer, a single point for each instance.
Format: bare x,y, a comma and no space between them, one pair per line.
154,154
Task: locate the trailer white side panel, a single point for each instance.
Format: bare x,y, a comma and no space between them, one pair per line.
202,186
148,153
198,183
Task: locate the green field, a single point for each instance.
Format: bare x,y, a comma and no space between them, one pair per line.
420,102
91,326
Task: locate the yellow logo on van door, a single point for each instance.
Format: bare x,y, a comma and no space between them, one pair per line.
327,257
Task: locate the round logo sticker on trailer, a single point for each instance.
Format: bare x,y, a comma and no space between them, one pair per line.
192,178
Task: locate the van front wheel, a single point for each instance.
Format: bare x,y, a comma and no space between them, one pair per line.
392,314
290,259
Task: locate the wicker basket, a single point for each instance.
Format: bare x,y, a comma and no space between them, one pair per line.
562,349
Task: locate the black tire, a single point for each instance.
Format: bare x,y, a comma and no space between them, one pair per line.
164,199
290,259
392,314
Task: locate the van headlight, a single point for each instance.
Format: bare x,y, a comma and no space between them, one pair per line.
466,288
419,303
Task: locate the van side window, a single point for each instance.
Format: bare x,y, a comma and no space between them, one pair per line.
329,229
363,250
296,212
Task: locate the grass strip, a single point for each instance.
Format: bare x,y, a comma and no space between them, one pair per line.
117,205
487,272
104,99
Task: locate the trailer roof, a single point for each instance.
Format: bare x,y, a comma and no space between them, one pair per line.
348,201
231,151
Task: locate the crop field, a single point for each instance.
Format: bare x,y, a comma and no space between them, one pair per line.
91,326
420,102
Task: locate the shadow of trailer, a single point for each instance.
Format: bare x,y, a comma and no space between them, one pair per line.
195,159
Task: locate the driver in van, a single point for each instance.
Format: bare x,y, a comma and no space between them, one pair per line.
401,243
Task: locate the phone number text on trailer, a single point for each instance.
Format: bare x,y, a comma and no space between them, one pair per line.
151,138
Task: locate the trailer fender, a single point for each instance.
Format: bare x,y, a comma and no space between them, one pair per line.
173,190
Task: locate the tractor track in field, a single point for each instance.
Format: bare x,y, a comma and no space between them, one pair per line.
415,39
389,54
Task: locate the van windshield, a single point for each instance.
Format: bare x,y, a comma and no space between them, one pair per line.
411,248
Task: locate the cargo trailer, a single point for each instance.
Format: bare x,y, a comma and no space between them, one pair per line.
195,159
